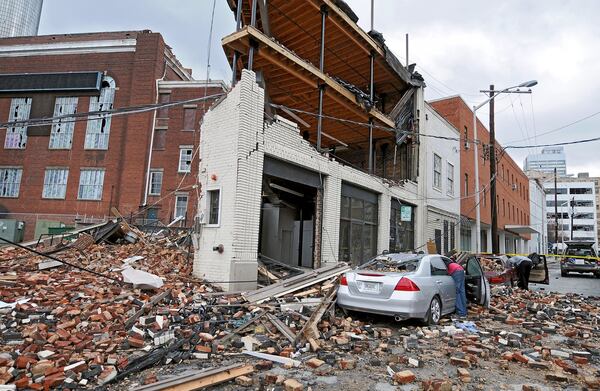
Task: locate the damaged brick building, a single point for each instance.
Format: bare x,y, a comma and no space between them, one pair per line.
308,164
70,172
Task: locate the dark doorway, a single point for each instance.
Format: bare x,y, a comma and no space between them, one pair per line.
287,221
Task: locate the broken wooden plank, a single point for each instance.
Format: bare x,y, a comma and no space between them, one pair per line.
282,327
310,327
200,379
278,359
49,265
270,276
295,283
309,292
146,307
242,327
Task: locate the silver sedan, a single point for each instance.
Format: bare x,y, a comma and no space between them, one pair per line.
409,286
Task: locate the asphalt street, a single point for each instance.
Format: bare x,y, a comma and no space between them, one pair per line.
585,284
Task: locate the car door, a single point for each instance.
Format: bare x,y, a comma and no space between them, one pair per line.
444,283
478,287
539,272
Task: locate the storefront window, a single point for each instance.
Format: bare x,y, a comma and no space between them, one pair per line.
402,227
358,229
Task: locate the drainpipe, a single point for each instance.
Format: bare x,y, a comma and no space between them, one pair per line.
147,187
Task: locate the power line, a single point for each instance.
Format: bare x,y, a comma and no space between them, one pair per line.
418,134
583,141
76,117
560,127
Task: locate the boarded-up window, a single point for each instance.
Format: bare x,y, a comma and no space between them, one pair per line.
189,118
163,112
160,139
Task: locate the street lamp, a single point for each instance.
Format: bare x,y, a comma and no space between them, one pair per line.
493,93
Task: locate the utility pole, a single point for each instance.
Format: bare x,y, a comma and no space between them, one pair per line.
495,244
572,214
555,211
494,212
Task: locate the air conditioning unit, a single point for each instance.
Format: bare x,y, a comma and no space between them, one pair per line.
514,186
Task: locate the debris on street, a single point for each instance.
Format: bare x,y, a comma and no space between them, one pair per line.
89,327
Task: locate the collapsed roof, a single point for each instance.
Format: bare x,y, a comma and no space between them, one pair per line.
286,38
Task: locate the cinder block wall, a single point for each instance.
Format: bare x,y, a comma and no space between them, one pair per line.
231,162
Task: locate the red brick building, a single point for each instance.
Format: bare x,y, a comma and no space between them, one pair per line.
512,185
69,171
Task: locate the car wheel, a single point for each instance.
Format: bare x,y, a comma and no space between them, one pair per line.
597,275
435,312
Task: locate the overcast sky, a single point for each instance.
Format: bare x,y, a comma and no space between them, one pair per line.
460,47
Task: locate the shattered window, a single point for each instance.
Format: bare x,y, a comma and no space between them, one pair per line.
397,264
16,136
98,126
181,201
61,135
10,181
55,183
155,182
185,159
91,182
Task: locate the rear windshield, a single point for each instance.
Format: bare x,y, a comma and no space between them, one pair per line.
580,251
393,264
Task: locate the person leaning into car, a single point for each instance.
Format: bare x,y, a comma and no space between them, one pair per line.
523,266
458,275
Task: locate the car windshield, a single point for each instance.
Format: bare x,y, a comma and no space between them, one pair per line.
580,251
396,263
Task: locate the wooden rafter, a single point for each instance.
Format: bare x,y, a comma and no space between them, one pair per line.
309,73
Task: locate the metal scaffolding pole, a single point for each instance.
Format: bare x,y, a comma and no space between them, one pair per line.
236,54
321,68
252,45
371,98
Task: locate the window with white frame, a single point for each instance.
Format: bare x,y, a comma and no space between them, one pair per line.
181,202
55,183
450,179
10,181
98,126
91,182
61,135
214,206
185,159
16,136
437,171
155,182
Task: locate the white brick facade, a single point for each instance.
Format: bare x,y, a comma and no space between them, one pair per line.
235,140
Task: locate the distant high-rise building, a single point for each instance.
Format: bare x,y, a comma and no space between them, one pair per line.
19,18
547,161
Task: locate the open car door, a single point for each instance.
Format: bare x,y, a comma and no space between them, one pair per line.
476,285
539,270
